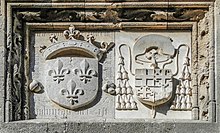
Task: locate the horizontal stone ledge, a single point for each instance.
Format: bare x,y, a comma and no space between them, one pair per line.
48,1
100,4
101,127
108,120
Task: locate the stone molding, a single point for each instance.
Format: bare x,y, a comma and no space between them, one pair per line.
21,20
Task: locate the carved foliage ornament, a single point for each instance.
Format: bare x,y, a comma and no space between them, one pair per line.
114,15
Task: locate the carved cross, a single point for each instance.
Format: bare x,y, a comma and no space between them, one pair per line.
152,78
158,77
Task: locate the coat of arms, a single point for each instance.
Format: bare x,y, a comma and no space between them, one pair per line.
153,63
71,69
154,83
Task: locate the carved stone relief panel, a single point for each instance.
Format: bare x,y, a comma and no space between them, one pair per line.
151,77
110,63
65,75
153,68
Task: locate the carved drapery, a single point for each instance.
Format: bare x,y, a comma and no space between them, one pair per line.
17,84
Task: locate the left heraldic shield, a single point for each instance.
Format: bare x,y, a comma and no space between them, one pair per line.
72,82
71,72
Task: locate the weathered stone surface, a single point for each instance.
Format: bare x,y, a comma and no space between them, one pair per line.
120,69
93,127
142,81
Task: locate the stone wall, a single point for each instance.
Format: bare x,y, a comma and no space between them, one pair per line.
109,66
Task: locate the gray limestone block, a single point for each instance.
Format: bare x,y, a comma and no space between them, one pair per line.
122,79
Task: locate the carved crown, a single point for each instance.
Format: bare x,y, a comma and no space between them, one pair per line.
76,45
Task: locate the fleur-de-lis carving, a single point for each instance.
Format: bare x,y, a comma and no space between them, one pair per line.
85,73
59,73
71,92
72,33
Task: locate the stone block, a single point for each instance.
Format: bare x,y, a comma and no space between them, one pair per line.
106,66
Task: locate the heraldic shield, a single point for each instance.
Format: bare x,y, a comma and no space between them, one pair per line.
71,71
154,80
72,82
